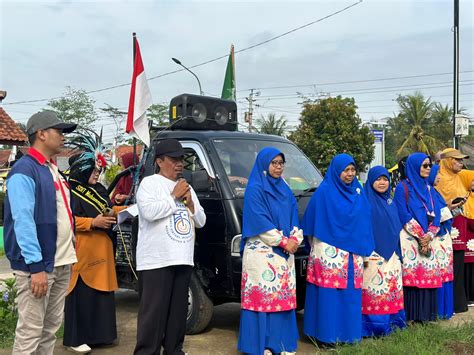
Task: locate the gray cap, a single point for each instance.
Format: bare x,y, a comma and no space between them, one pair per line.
47,119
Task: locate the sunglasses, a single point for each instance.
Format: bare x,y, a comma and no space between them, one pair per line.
427,166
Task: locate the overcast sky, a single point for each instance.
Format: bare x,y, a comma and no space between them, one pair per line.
48,45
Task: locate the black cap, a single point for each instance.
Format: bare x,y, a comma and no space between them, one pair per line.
47,119
169,147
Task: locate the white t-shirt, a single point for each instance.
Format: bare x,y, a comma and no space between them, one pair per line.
65,252
166,226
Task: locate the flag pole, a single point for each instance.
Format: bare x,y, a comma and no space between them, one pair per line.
134,35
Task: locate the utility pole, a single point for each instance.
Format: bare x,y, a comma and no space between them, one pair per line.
456,72
249,113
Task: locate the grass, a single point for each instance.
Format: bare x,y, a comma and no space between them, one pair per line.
7,333
2,253
418,339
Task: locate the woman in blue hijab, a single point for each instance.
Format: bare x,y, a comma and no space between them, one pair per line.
338,223
443,250
270,237
382,291
419,213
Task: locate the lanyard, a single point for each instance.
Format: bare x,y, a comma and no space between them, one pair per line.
63,194
419,197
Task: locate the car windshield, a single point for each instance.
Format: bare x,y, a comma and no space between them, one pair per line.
238,156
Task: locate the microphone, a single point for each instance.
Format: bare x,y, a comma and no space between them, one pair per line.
180,176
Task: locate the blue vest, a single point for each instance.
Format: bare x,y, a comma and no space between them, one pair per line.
45,217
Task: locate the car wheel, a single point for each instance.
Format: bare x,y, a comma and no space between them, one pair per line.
200,307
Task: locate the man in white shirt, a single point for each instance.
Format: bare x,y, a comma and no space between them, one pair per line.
168,210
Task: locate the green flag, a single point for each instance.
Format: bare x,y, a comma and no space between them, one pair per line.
228,91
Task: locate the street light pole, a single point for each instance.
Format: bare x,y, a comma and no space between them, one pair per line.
456,72
199,83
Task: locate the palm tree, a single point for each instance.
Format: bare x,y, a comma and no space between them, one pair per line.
417,119
271,125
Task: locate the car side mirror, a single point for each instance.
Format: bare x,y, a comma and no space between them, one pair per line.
201,181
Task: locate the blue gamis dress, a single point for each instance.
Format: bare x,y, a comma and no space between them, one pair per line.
443,247
268,290
338,223
420,215
382,291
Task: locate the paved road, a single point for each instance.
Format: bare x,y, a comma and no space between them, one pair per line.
219,338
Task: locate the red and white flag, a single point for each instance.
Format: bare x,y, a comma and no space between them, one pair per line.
140,100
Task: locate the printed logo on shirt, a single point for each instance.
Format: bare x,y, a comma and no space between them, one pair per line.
179,228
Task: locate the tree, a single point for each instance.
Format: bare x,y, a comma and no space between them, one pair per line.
420,126
159,114
118,117
441,126
271,125
75,106
331,126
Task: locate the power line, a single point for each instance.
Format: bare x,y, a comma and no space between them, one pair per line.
378,88
353,82
210,60
295,96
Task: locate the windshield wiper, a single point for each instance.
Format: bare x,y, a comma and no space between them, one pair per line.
306,191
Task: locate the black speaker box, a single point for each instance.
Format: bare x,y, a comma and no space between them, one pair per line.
197,112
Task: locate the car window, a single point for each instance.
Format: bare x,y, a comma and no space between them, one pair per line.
238,156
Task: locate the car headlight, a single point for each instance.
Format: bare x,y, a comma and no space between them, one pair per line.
235,245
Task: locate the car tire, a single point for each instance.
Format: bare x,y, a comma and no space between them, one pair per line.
200,307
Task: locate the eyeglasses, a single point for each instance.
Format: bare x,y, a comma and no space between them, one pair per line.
277,163
427,166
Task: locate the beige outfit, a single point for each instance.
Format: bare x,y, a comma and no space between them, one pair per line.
40,318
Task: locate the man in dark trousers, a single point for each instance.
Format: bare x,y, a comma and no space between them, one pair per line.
169,210
39,235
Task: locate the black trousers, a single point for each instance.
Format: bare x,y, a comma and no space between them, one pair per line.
469,281
460,300
163,310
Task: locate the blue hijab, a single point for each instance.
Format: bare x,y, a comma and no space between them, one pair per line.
420,200
269,203
385,222
339,213
446,225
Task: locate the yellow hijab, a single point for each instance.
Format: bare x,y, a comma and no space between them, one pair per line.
466,177
450,184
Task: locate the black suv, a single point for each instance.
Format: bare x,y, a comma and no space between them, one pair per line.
217,165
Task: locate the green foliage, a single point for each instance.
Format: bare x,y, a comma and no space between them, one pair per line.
420,126
429,338
75,106
111,173
271,124
159,114
8,312
331,126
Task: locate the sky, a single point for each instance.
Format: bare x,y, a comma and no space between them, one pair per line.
373,51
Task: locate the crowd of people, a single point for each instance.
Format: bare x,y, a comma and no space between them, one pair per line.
378,259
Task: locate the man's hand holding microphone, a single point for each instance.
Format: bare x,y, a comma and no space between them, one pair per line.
182,191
